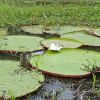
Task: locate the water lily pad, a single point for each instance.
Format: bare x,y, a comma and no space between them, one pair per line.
66,63
17,81
64,43
96,32
35,29
84,38
20,43
63,29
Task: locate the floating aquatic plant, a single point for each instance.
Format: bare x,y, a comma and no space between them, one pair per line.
16,81
66,63
84,38
20,43
64,43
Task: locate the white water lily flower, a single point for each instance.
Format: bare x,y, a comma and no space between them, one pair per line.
55,47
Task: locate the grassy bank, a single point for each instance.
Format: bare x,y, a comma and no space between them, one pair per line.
47,12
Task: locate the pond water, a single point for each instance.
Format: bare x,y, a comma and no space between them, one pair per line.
57,88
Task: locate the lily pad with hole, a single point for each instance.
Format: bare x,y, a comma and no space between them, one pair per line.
64,43
66,63
83,37
20,43
16,81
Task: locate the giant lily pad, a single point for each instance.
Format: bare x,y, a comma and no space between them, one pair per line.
20,43
37,29
66,63
64,43
83,37
17,81
63,29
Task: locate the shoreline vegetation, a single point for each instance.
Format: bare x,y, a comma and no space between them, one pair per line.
50,12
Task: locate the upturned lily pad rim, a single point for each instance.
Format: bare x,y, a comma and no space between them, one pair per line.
85,32
61,75
51,26
14,51
35,88
41,42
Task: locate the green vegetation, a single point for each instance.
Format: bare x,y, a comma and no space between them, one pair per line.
47,19
64,43
20,43
67,62
83,37
50,12
16,81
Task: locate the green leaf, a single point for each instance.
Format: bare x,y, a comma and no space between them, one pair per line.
67,62
96,32
64,43
20,43
83,37
16,81
36,29
63,29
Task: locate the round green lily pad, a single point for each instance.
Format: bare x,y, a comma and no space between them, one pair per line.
16,81
37,29
84,38
62,29
67,62
64,43
33,29
20,43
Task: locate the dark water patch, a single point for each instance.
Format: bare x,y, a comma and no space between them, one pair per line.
54,88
